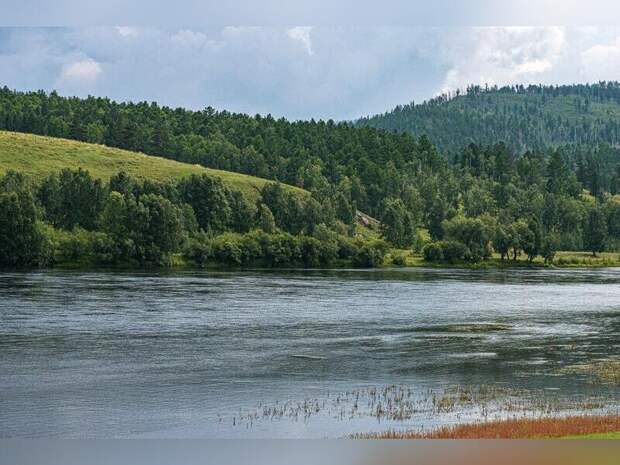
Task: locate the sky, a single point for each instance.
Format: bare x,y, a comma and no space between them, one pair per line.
299,72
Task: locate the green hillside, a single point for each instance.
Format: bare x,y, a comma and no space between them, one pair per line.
38,156
533,117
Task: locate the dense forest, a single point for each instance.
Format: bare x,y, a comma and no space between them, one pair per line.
525,118
70,218
449,206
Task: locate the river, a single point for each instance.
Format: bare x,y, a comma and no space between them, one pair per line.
298,353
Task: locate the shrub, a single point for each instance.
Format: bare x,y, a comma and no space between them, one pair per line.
347,249
75,246
454,251
474,233
370,255
399,260
226,250
432,252
199,250
449,251
315,252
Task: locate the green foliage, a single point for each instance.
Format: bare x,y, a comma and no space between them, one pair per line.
596,230
258,248
242,212
549,247
309,154
504,240
532,194
370,255
21,239
450,251
474,233
72,198
524,117
146,230
38,157
399,259
397,224
454,251
210,200
433,252
265,220
612,212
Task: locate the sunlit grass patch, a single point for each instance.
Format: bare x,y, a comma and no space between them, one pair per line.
563,259
38,156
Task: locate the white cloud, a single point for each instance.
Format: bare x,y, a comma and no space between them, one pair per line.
189,38
502,55
127,31
83,70
302,34
602,61
533,67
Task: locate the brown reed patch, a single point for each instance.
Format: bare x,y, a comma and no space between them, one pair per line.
517,428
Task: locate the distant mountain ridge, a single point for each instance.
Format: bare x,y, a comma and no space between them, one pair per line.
533,117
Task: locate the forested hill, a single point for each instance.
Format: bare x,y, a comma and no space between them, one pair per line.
525,118
482,198
359,166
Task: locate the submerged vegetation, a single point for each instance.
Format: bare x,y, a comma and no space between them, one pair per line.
604,371
496,408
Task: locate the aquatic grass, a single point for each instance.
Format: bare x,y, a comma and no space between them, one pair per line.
516,428
465,328
396,403
604,372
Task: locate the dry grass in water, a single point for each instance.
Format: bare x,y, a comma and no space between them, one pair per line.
518,428
394,403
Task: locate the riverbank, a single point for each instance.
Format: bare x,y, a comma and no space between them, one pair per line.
406,259
563,259
574,427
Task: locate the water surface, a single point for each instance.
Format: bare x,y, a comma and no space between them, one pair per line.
288,354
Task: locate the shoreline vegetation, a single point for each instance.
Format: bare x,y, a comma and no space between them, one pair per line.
92,183
566,260
572,427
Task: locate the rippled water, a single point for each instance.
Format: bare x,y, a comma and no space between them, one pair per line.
208,354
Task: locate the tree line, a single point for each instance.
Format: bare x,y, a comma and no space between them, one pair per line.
74,219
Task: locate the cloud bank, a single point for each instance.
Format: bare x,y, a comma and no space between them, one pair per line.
299,71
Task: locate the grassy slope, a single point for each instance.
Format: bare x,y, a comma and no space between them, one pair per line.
38,156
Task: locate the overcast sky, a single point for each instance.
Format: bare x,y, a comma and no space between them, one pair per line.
299,71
